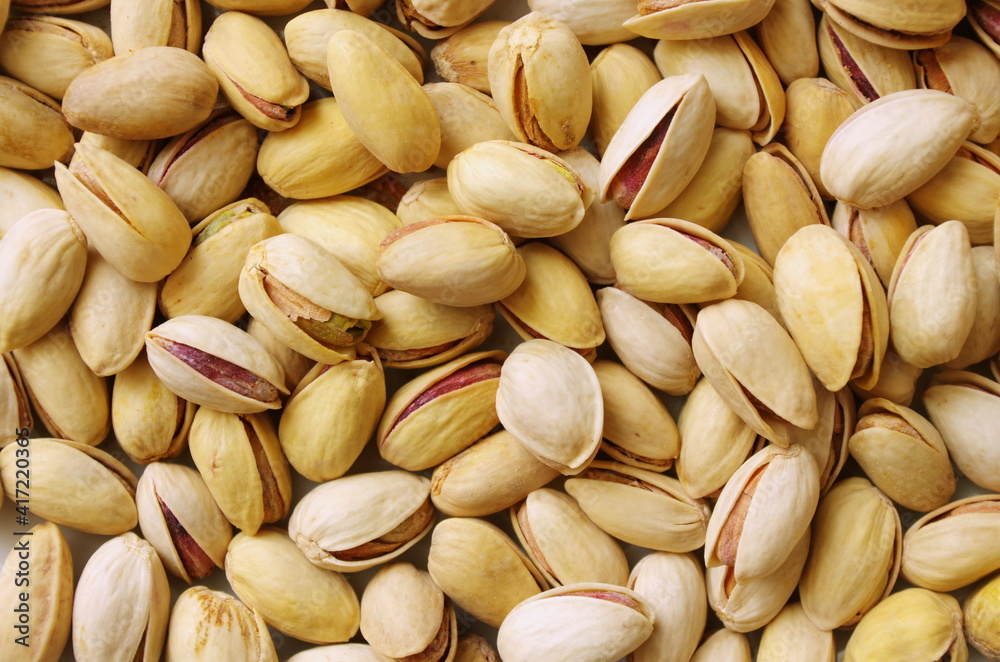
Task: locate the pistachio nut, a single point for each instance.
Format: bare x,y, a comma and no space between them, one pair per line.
441,412
137,24
44,258
652,340
15,414
867,70
47,52
433,19
481,265
492,474
984,338
696,19
36,135
467,117
723,645
49,603
564,544
150,422
933,295
254,71
318,157
619,76
928,23
474,648
215,364
359,521
787,36
127,219
929,546
481,569
342,653
155,92
122,603
137,153
207,624
549,397
982,619
99,499
640,507
791,636
675,589
463,57
594,22
638,429
963,406
897,381
756,368
71,401
758,282
207,279
416,333
879,233
601,622
540,78
920,624
21,194
427,199
984,16
401,130
892,146
405,615
659,147
271,576
294,364
331,415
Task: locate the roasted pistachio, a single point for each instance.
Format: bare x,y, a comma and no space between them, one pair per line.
675,589
924,626
206,624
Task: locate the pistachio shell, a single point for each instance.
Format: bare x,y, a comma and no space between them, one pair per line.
206,623
980,619
619,76
879,233
928,24
594,22
462,57
36,134
787,36
21,194
434,19
912,624
867,70
964,68
723,645
15,413
467,117
340,653
696,20
427,199
294,364
792,636
137,24
675,589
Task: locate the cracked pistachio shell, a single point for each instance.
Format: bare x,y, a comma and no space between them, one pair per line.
866,70
696,19
966,190
914,624
674,586
137,24
747,92
100,498
554,301
150,422
47,52
331,415
417,333
933,295
180,519
595,621
930,544
474,648
15,414
619,76
441,412
240,460
206,280
638,429
110,316
787,36
463,57
206,625
564,544
892,444
659,147
984,338
540,78
747,606
36,135
594,22
762,512
71,401
856,546
341,653
21,194
437,19
467,117
966,69
550,399
780,198
756,368
481,266
254,71
980,615
792,636
402,131
155,92
50,600
526,190
640,507
653,341
723,645
43,258
925,24
404,614
427,199
306,297
122,603
493,474
758,282
359,521
964,407
479,567
130,221
879,233
833,306
892,146
215,364
270,575
320,156
667,260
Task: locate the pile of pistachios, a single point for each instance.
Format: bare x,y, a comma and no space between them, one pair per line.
252,257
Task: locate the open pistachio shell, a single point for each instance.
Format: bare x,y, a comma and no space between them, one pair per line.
879,233
927,24
758,282
620,75
984,338
984,16
868,71
696,19
897,382
434,19
980,619
674,586
594,22
827,442
206,623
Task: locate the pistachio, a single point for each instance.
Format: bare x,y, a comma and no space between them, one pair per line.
696,19
675,589
436,20
137,153
22,194
474,648
867,70
619,75
984,16
270,7
984,338
929,23
342,653
36,135
594,22
924,626
294,364
15,414
427,199
758,282
462,57
206,624
792,636
980,616
467,117
136,24
787,36
879,233
723,645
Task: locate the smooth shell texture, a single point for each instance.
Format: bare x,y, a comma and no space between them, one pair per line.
204,622
914,623
699,20
674,587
